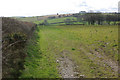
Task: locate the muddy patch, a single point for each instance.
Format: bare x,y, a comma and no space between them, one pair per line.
67,68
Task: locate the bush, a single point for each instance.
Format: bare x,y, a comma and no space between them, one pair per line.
68,22
14,37
45,22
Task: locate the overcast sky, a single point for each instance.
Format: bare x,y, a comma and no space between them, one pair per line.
47,7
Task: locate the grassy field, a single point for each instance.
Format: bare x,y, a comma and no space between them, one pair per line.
58,20
92,49
39,63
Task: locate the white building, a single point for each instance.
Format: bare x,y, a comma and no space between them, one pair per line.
119,7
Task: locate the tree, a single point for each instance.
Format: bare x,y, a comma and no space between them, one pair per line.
108,19
115,18
99,18
68,21
112,17
90,18
79,18
45,22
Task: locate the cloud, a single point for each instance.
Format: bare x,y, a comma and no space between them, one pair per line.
45,7
83,4
100,5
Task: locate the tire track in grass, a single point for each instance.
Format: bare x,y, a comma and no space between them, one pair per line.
67,67
101,60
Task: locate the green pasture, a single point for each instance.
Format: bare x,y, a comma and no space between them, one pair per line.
81,43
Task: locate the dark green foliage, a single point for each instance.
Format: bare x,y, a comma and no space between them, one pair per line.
115,45
92,18
45,22
68,21
14,41
14,37
98,18
73,48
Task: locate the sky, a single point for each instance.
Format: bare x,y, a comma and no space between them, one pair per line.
49,7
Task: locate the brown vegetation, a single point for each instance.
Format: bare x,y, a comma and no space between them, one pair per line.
14,37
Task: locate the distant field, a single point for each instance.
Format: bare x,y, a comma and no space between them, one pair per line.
89,51
28,19
57,20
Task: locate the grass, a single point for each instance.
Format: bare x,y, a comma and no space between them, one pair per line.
60,19
81,42
72,38
40,63
56,20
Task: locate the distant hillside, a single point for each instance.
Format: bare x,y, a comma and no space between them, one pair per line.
74,19
39,18
57,21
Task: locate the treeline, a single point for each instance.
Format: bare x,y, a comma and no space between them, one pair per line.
98,18
85,19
